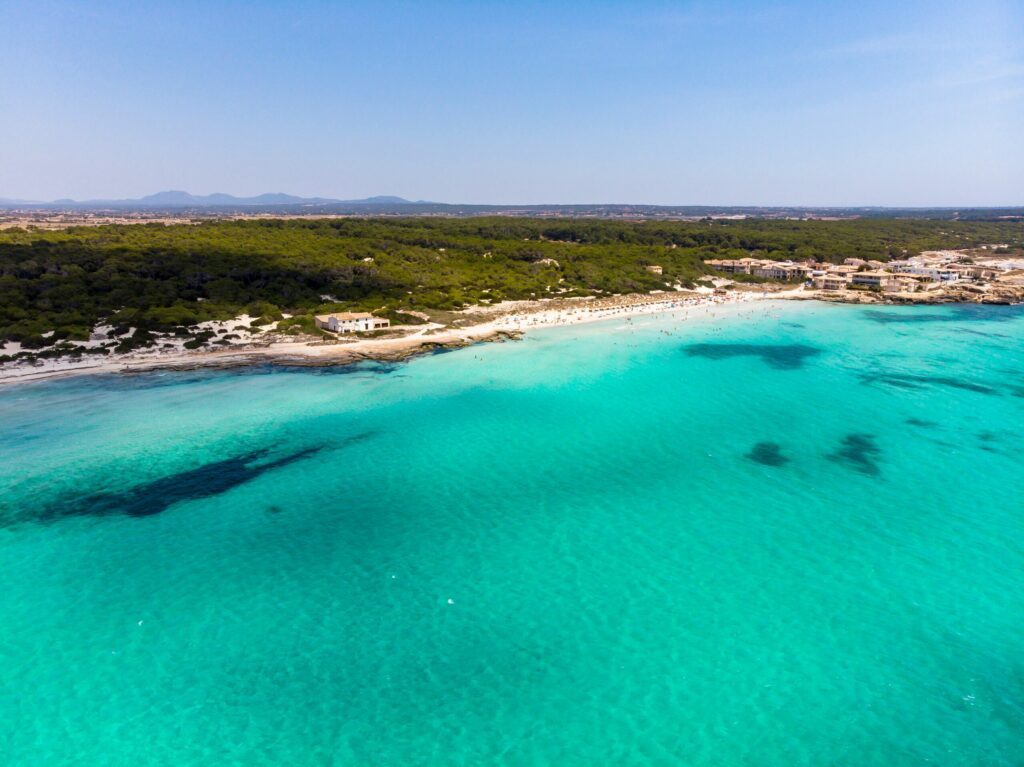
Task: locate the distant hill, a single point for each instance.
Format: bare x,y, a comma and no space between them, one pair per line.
179,199
385,199
185,199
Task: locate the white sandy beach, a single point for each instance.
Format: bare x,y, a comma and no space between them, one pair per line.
499,322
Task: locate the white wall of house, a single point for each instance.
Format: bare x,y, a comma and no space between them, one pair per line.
361,324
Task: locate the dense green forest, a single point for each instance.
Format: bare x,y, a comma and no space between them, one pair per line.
153,277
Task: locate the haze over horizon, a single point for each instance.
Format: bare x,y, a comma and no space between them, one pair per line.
771,104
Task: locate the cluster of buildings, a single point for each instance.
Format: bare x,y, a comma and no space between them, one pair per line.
903,276
763,267
350,322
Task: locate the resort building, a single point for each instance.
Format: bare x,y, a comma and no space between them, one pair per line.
831,281
972,271
780,271
870,279
350,322
761,267
654,269
939,274
901,284
732,265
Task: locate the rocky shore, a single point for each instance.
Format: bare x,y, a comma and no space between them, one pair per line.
955,294
336,356
300,353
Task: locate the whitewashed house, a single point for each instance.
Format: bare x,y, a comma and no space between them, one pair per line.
350,322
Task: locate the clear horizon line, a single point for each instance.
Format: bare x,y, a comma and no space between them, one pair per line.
334,200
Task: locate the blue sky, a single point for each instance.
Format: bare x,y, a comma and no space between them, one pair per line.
914,103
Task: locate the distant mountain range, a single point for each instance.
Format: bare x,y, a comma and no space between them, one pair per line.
179,199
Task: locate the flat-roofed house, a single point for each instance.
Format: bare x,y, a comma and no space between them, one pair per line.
966,271
901,284
730,265
934,273
771,271
831,281
350,322
871,279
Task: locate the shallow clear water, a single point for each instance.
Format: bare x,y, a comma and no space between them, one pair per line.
785,535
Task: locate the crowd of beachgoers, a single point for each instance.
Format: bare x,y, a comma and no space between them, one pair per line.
619,306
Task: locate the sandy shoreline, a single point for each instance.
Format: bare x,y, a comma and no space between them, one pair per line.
478,324
496,324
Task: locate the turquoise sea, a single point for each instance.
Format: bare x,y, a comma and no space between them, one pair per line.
782,535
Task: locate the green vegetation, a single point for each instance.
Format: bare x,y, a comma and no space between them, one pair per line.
148,279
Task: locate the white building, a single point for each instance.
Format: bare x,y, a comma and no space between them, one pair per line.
831,281
350,322
939,274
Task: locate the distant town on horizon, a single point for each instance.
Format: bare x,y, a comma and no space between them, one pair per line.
176,202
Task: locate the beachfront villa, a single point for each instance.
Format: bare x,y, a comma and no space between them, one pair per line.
878,280
948,272
350,322
831,282
777,271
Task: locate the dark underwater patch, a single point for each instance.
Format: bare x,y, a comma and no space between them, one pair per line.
776,356
768,454
982,333
151,498
985,440
988,440
158,379
355,439
908,381
913,317
858,452
362,366
922,423
956,313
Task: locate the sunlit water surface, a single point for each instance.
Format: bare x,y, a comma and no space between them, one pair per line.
782,535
